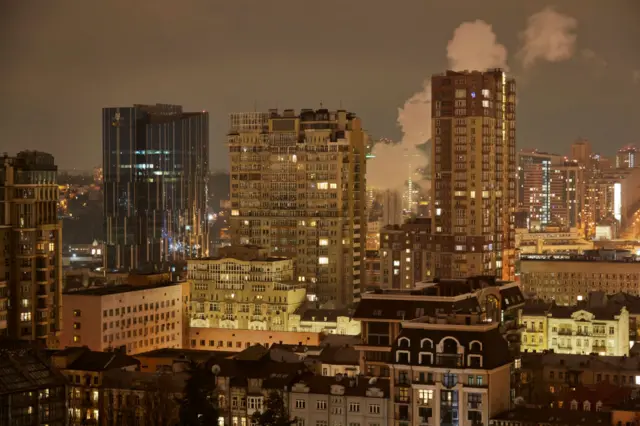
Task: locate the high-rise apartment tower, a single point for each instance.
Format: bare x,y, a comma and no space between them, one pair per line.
473,174
298,189
155,165
30,249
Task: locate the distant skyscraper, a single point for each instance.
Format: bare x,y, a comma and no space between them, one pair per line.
550,188
31,249
581,151
391,208
473,174
626,157
155,164
298,188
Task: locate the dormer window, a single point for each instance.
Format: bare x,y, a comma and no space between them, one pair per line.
404,342
599,406
475,346
403,357
574,405
426,344
586,406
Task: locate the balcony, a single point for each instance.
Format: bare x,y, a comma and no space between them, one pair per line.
583,333
565,332
599,349
449,360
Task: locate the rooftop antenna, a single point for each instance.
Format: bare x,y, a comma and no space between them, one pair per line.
255,105
321,104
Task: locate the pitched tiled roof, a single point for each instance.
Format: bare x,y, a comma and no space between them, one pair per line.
102,361
549,416
353,386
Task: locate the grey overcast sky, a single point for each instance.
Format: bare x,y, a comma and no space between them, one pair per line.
62,61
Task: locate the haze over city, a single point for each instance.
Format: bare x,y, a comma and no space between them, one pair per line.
341,213
63,61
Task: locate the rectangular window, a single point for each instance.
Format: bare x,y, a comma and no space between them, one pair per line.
354,407
321,405
300,404
374,408
323,260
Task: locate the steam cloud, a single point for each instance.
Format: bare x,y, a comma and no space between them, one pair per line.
549,36
474,46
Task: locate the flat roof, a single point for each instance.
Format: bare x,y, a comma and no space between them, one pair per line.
118,289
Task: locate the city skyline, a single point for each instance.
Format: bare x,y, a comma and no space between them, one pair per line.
212,67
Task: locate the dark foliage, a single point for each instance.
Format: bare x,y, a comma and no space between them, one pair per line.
274,413
199,405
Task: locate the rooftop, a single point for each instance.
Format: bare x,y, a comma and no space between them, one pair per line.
24,369
551,416
84,359
353,386
118,289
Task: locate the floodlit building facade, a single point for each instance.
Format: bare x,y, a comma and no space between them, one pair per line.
298,188
576,330
244,288
30,249
473,174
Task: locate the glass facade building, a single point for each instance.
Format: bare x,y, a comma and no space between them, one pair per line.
155,164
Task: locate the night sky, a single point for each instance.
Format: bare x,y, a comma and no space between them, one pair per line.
62,61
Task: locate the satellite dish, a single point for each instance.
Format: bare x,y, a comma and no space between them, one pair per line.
373,380
215,369
519,401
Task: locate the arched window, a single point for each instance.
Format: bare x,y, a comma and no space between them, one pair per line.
449,346
586,406
426,343
574,405
475,346
404,342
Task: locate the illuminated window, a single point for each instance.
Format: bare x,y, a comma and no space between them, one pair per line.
235,212
438,211
486,93
333,186
323,260
324,242
396,263
323,185
485,103
76,339
472,194
461,93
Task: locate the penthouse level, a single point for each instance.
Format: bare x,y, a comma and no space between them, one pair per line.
383,311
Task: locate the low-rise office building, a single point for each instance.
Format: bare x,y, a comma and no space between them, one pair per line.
150,312
220,339
567,279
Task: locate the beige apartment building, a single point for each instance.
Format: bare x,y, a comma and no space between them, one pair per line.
244,288
298,188
576,330
473,174
150,312
30,249
569,279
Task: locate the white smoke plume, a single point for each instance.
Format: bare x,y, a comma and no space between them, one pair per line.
549,36
474,46
390,167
